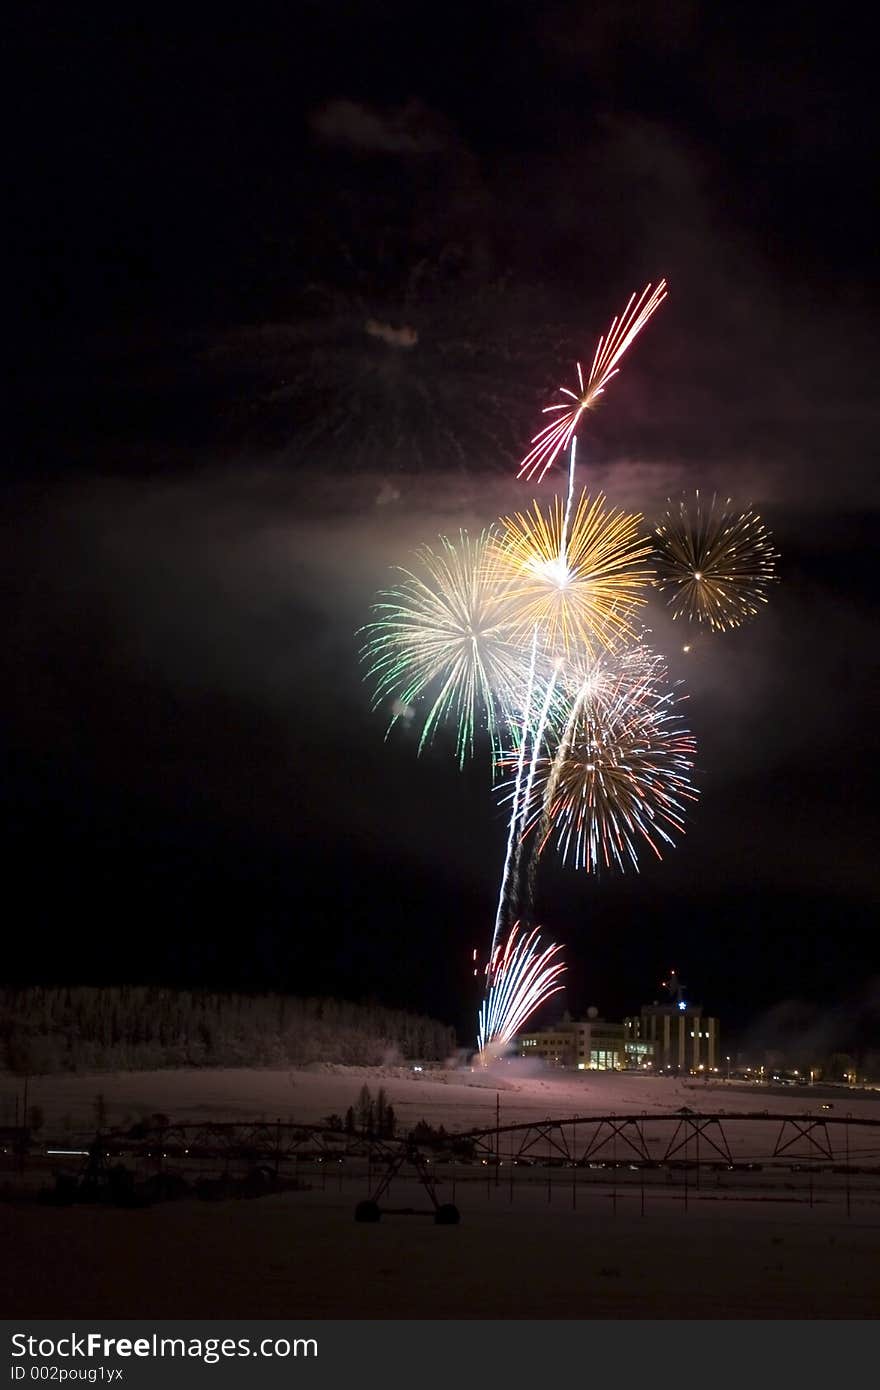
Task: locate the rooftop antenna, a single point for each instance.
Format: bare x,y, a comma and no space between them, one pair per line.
675,987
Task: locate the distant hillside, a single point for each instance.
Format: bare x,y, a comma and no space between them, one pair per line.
134,1027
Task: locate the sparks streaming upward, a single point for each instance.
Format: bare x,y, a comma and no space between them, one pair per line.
515,810
537,744
556,436
714,563
445,627
578,579
622,771
520,976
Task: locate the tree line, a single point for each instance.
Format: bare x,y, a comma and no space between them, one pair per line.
128,1027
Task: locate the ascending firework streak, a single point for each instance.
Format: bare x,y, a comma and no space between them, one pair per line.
537,744
519,809
519,977
556,436
515,810
575,583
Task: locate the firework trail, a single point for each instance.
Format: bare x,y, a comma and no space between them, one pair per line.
556,436
622,770
715,563
445,628
515,807
523,810
519,810
575,679
578,578
519,977
563,545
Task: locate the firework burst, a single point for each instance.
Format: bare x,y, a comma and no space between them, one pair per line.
520,976
444,631
715,564
556,436
622,771
577,580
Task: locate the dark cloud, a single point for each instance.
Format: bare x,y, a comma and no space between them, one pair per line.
803,1033
410,129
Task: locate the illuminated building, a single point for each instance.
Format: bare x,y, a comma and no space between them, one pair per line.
674,1035
589,1044
681,1037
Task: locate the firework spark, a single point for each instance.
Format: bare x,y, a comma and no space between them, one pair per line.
622,770
715,563
578,580
520,976
445,630
556,436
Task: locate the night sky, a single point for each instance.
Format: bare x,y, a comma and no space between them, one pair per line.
213,466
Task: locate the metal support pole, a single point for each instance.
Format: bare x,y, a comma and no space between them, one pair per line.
697,1129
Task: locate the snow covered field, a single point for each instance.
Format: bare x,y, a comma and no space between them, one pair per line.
459,1099
302,1255
557,1243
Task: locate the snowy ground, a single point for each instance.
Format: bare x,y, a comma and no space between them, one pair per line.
302,1255
564,1243
457,1098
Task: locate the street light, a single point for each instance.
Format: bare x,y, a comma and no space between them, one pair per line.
727,1059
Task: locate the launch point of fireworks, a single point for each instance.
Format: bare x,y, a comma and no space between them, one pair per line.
520,976
714,563
556,436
